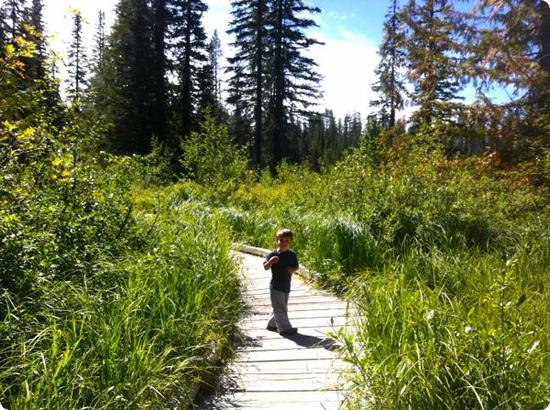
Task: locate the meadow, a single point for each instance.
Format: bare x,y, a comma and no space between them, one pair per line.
447,259
122,292
110,300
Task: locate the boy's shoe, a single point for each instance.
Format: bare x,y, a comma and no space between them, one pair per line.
289,332
272,328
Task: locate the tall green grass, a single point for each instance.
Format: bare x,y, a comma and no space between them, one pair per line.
447,264
137,333
475,335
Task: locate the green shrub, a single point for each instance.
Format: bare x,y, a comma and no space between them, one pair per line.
210,158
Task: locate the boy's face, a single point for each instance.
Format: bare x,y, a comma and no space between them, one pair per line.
283,243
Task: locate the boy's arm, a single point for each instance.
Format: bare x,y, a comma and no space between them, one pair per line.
293,269
295,266
270,261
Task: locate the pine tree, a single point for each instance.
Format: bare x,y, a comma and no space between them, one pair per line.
159,69
3,26
248,67
215,54
513,47
14,12
208,82
77,62
356,130
100,40
432,54
390,85
130,57
38,63
99,95
190,39
295,83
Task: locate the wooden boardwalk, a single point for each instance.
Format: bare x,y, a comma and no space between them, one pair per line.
275,372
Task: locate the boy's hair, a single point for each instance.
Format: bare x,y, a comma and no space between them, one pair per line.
284,233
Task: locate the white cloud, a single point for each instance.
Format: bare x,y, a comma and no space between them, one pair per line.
347,63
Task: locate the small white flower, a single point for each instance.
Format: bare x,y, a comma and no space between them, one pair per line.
468,329
531,350
430,315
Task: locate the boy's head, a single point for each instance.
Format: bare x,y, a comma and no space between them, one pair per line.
284,239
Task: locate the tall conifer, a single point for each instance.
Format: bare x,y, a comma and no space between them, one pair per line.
159,68
390,84
77,61
248,66
15,13
38,63
130,56
190,39
295,82
432,54
208,81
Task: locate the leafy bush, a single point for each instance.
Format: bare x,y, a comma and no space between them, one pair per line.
210,157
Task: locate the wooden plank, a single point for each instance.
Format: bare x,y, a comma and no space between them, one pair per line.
301,383
298,366
259,401
292,300
315,305
283,355
306,314
304,341
307,322
313,331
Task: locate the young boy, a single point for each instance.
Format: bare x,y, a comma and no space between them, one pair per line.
283,263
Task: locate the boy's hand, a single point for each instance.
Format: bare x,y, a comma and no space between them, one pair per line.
292,270
272,261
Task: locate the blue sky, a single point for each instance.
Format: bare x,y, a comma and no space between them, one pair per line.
363,16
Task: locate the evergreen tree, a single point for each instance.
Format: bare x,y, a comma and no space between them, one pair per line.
159,68
513,47
295,83
432,54
14,12
190,39
77,62
356,130
99,95
240,125
248,82
208,82
131,94
100,40
215,54
37,64
390,84
2,30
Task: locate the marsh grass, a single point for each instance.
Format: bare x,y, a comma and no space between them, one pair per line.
139,331
448,266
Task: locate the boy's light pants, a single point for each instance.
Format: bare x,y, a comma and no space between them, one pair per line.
279,316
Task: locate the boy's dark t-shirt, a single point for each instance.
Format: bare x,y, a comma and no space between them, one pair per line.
280,278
